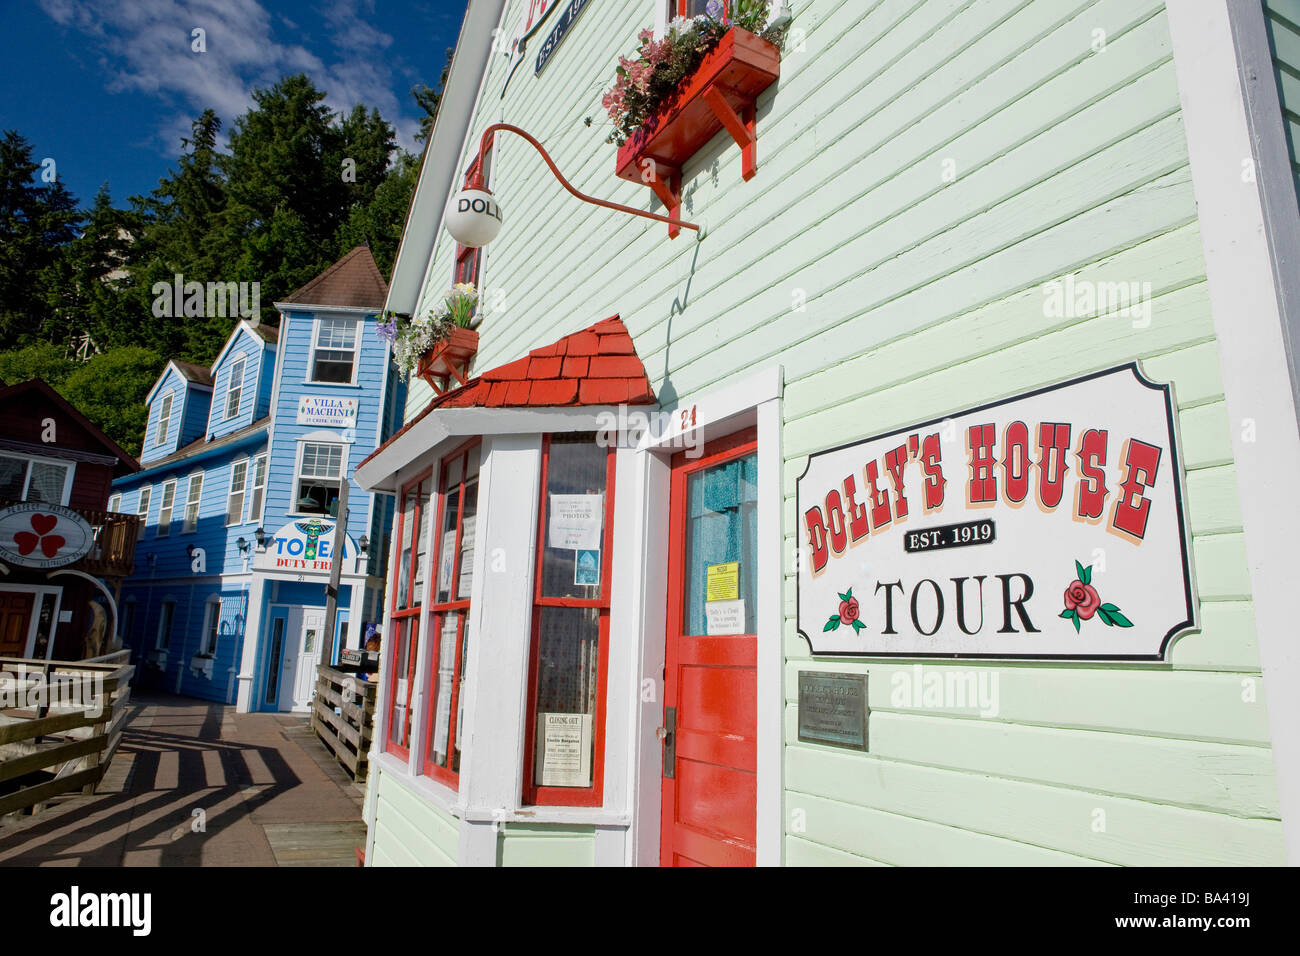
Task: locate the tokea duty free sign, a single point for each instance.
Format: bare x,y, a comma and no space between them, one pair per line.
1049,525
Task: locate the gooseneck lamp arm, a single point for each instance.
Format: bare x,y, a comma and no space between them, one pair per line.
485,145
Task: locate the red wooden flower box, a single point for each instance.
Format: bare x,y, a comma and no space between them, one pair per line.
449,359
719,95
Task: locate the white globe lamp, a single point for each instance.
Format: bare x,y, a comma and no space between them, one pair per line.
474,217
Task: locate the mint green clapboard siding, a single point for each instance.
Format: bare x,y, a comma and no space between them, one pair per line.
925,166
409,830
1282,19
546,845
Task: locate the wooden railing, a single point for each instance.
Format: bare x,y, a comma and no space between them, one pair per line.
343,717
62,741
113,553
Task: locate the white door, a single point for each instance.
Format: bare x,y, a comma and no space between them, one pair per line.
311,633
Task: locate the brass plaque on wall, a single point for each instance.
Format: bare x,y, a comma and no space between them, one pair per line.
833,709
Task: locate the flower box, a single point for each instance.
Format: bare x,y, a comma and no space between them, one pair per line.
449,359
719,95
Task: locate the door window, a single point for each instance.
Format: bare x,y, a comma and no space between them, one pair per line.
721,531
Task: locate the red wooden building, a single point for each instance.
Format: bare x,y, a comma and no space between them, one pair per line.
63,550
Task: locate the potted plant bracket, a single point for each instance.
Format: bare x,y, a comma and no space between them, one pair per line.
720,94
449,359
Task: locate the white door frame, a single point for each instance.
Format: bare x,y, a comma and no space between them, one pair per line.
40,590
289,619
754,401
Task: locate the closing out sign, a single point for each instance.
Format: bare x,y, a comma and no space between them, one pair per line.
1048,525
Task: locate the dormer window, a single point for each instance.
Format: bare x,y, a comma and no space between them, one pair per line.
164,420
235,390
334,353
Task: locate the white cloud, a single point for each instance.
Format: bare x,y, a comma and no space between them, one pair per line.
145,46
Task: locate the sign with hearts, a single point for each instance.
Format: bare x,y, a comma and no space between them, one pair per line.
39,535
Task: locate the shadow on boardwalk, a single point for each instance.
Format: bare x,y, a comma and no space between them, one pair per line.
201,785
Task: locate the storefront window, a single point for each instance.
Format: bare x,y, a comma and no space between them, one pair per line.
570,623
449,613
403,642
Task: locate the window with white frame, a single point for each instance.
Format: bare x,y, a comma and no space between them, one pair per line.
238,487
115,501
35,479
146,496
334,353
164,420
165,615
211,623
193,494
165,507
316,491
235,387
258,491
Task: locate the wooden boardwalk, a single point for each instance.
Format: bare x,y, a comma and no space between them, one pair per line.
196,784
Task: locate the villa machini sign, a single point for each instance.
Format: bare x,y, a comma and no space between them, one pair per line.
327,410
1048,525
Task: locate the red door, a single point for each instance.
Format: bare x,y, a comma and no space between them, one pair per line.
710,677
15,618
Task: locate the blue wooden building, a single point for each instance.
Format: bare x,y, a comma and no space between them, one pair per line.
238,493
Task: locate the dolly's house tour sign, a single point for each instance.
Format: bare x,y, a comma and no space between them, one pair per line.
37,535
1049,525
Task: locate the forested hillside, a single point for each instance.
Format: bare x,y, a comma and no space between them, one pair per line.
289,188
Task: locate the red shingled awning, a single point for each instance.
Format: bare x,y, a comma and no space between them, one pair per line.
597,366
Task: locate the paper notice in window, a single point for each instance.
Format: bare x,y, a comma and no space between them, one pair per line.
563,750
465,582
575,522
723,582
446,663
444,561
724,617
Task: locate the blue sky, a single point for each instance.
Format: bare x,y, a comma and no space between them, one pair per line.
107,88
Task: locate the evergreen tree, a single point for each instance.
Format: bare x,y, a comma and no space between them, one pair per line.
37,221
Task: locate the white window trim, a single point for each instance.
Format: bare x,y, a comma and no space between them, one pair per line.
165,530
241,363
297,477
115,501
211,620
158,633
145,496
230,493
168,402
266,480
356,352
70,466
189,494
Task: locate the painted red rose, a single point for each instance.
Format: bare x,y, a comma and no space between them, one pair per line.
849,610
1082,599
